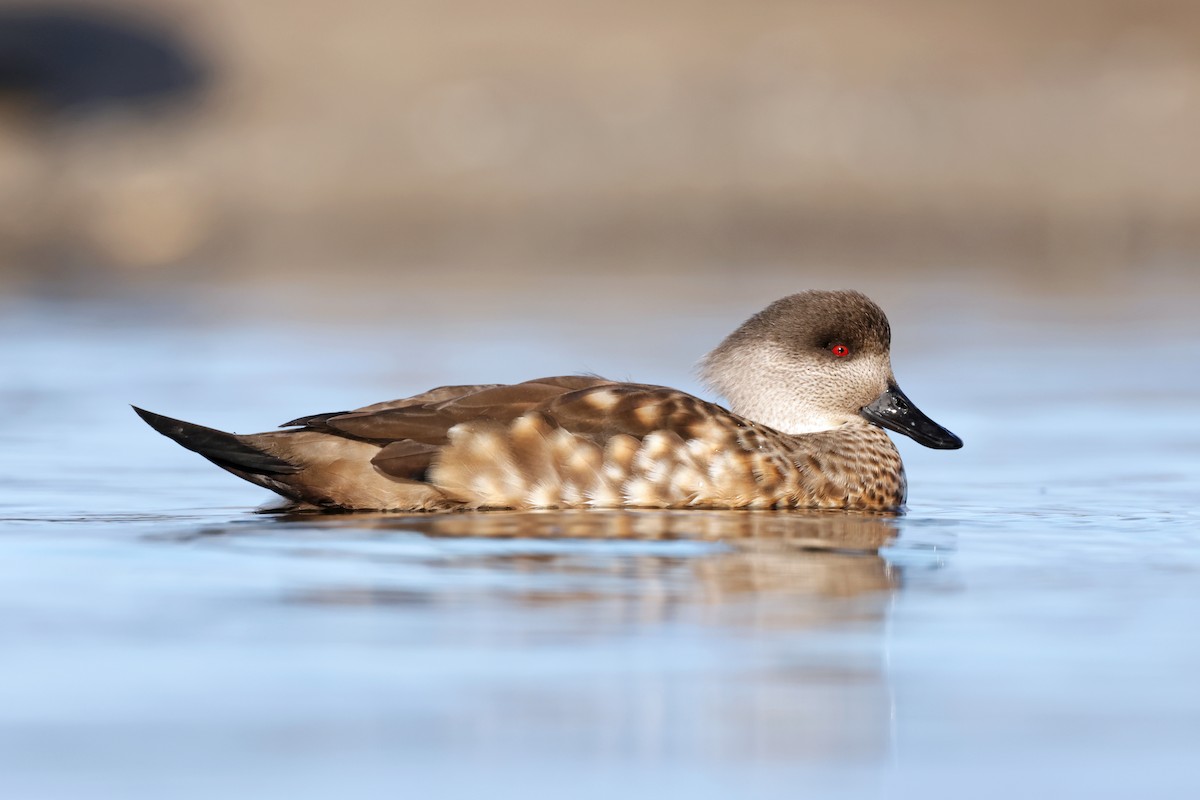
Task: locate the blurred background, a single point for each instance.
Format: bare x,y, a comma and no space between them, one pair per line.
1023,143
239,212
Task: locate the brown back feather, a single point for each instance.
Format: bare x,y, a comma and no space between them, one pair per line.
413,430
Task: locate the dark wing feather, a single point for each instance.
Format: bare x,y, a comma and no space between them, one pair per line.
428,422
316,421
406,459
438,395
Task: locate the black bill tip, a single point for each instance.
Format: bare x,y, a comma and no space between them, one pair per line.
894,411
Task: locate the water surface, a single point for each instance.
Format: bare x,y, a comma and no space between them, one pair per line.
1028,626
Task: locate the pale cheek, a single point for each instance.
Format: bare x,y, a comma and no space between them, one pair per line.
870,378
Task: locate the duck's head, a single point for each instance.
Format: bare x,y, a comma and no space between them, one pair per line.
815,361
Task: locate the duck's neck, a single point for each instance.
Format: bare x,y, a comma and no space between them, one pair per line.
760,383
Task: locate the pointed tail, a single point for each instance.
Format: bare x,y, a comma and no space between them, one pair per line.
226,450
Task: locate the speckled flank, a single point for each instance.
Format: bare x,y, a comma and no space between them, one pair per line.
726,462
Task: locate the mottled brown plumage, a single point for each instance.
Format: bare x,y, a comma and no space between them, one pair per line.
806,379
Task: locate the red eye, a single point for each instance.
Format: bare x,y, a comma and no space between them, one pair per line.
840,350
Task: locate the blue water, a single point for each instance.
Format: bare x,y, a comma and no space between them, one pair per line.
1028,627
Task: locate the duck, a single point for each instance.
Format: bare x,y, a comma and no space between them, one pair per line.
809,395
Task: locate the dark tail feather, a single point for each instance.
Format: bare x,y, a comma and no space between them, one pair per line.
223,449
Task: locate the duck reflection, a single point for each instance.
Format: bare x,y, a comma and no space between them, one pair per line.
637,634
759,559
737,634
825,530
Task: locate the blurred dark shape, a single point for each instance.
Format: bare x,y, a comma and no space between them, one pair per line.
83,60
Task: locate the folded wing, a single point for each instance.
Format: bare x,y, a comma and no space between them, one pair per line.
412,431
